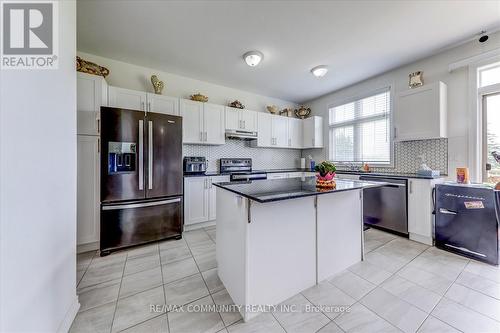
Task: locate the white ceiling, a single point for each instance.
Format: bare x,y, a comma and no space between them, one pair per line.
206,39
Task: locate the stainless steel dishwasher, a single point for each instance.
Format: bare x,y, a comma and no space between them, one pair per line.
386,207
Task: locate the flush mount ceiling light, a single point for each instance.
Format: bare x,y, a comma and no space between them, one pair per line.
253,58
319,71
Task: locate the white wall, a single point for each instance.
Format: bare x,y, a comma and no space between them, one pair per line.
435,68
38,191
138,78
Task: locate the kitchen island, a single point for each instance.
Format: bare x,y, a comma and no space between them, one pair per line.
276,238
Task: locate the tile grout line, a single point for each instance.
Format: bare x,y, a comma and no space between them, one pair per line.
118,296
203,279
163,287
441,298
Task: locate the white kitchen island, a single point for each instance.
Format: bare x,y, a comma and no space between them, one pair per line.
276,238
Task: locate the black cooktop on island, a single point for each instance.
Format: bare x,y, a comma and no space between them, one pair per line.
282,189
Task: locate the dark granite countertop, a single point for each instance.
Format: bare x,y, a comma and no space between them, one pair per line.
217,173
344,172
283,189
387,174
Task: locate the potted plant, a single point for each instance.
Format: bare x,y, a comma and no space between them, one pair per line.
325,173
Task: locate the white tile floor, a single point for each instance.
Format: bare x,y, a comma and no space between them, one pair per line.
402,286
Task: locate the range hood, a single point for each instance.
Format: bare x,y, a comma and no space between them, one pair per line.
238,134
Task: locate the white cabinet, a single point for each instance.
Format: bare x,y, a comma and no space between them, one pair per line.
92,93
163,104
421,113
280,131
347,176
264,130
241,120
213,124
127,98
87,189
141,100
272,131
200,200
192,122
212,196
203,123
313,132
277,175
195,200
295,133
420,206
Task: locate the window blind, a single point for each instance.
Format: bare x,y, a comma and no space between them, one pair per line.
360,130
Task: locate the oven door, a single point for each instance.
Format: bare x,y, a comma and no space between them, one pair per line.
139,222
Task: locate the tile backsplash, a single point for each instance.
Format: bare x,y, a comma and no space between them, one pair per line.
262,158
406,156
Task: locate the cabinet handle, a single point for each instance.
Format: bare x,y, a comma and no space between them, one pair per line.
313,142
149,106
142,106
206,136
210,183
205,183
289,142
411,187
241,125
201,136
244,124
395,132
98,126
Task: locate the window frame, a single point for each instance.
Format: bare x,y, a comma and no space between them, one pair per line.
386,88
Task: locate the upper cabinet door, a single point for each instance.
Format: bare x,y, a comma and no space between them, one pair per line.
420,113
248,120
280,131
294,133
312,132
192,123
126,98
264,130
232,119
92,93
214,124
163,104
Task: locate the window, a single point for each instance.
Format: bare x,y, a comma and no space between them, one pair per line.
489,75
360,131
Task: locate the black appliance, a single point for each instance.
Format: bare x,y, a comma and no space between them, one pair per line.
386,207
240,169
467,218
141,178
194,165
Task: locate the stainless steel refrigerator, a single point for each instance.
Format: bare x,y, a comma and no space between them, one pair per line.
141,178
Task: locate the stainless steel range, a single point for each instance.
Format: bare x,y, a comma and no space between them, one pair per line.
240,169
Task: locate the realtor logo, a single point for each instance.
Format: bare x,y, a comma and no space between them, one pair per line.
29,35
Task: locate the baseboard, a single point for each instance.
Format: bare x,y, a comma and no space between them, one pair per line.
421,239
69,317
200,225
87,247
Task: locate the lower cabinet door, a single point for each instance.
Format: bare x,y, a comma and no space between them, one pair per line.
196,199
139,222
212,197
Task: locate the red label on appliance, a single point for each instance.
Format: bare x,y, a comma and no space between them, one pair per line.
473,204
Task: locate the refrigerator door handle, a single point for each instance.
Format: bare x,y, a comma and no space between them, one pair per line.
141,205
150,155
141,154
446,211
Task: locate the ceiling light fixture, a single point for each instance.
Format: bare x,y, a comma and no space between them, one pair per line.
253,58
319,71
